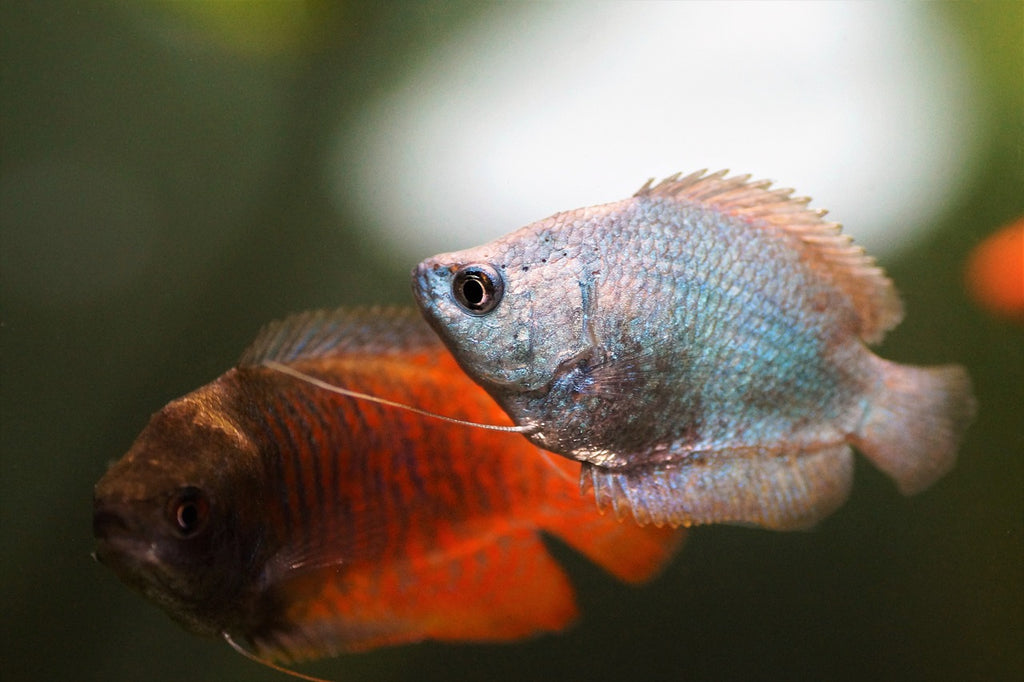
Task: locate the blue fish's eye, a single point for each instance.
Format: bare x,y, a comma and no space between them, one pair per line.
477,288
188,511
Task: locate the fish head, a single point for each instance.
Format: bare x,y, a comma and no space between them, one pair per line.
509,311
176,517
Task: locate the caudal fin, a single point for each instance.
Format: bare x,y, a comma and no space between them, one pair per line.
915,422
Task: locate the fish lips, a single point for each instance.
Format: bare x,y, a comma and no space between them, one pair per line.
119,546
431,280
431,287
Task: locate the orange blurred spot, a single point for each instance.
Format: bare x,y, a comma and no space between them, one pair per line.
995,272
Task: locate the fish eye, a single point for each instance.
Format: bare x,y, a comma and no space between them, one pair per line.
188,511
477,288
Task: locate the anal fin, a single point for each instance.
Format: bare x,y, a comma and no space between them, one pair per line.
629,552
779,492
498,588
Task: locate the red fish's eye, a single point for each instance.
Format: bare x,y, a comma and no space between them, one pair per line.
188,511
477,288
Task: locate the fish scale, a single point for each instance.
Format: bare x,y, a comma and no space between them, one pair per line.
711,326
335,524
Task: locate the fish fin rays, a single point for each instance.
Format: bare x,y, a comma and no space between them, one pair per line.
503,588
631,553
873,295
780,492
914,423
595,373
324,333
330,552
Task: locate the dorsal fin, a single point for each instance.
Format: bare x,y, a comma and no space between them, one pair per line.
854,273
322,333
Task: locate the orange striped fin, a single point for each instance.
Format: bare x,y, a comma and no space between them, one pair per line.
496,588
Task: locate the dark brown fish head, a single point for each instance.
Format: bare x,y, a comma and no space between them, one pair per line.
178,517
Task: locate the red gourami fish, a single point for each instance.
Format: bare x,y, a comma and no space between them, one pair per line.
702,348
310,524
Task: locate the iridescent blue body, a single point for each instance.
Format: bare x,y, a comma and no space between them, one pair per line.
700,346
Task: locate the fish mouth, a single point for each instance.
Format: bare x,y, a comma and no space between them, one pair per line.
118,545
431,282
107,523
109,519
423,278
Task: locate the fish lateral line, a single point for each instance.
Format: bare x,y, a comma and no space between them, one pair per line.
320,383
270,664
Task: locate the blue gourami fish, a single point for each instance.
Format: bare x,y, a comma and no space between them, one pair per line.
309,523
701,348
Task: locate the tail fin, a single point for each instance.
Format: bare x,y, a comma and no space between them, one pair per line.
914,423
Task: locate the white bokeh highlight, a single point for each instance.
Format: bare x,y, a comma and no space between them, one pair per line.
537,108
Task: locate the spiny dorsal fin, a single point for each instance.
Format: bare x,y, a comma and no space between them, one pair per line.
855,273
322,333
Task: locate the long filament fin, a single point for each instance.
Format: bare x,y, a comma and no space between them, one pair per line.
270,664
319,383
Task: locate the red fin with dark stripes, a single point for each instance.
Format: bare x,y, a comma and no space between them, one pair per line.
483,589
433,530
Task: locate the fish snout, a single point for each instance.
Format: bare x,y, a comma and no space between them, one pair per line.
429,281
121,544
111,532
107,521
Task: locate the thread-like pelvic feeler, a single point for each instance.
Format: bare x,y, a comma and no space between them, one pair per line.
270,664
290,371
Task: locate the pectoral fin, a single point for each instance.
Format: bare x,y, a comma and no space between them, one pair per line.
780,492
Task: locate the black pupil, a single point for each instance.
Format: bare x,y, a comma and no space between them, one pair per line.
188,517
473,289
188,511
477,289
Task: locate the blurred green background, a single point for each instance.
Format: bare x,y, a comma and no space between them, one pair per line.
162,195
